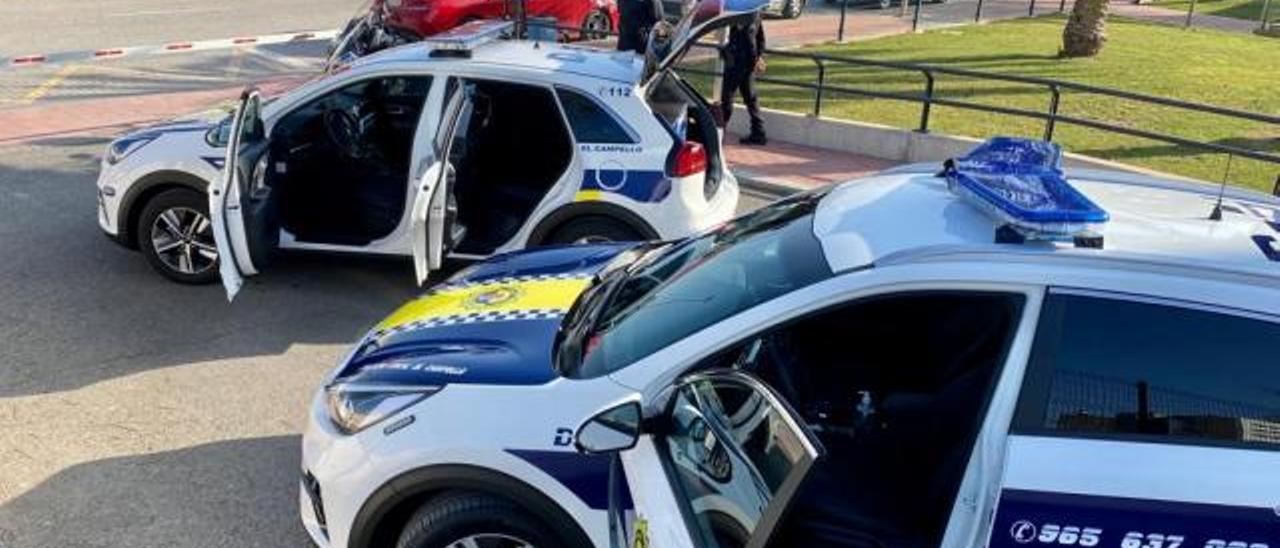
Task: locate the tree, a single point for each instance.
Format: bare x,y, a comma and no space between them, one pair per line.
1086,30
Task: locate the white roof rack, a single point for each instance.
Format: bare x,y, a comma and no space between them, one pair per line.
469,36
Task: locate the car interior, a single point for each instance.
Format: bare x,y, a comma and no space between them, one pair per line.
897,408
688,116
340,164
508,154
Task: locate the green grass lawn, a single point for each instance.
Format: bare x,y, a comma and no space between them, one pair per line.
1239,9
1231,70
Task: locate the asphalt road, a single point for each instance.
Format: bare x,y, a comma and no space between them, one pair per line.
31,26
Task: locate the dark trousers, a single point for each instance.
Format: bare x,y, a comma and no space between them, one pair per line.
741,79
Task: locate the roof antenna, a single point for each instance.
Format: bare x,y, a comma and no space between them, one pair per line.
1216,214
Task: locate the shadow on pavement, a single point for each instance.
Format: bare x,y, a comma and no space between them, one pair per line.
75,308
229,493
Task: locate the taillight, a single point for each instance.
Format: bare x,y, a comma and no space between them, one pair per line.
691,159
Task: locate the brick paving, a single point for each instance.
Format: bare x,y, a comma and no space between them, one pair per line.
793,166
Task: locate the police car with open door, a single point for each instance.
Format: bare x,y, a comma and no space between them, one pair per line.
545,143
1001,356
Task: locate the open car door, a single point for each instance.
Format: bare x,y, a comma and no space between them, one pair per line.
241,207
434,211
669,43
734,455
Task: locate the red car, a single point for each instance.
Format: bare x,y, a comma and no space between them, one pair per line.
427,17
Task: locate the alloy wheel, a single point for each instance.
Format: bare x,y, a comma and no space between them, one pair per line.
596,26
183,240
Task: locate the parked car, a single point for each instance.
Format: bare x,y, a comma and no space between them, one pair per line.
1005,368
459,147
896,326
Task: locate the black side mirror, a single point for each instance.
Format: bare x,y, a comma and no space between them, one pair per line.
610,431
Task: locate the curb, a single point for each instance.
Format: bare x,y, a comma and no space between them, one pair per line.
769,186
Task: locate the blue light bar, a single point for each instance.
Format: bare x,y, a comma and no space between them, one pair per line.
1020,183
469,36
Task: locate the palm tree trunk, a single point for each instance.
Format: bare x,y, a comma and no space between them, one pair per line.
1086,30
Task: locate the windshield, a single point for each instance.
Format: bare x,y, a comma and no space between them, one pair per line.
699,281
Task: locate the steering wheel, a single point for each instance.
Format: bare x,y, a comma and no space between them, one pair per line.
344,132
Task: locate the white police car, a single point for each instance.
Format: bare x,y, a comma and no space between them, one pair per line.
1006,368
887,314
544,143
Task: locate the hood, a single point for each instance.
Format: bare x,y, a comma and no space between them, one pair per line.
493,323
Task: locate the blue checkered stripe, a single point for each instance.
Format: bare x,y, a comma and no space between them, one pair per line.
472,317
511,280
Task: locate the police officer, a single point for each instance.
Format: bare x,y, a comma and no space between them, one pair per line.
635,18
743,59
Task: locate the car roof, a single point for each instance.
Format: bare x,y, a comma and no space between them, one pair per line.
901,212
619,66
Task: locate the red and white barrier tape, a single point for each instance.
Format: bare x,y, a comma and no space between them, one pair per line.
40,59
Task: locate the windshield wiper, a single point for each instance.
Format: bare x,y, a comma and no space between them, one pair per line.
581,319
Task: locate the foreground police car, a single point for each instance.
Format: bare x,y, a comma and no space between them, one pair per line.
543,143
961,380
888,317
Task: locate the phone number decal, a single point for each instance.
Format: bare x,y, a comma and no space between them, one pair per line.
1038,519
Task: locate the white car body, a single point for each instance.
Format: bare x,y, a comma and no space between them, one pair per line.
902,232
630,182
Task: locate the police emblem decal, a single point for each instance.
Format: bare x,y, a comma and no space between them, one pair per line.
1023,531
493,296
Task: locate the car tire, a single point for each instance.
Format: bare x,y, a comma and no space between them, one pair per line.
593,230
178,218
596,26
453,518
791,9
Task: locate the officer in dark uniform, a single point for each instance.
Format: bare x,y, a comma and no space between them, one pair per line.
743,60
635,18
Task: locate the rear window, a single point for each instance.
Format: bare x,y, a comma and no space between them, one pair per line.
1153,372
591,123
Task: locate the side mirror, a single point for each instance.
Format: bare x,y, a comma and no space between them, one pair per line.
610,431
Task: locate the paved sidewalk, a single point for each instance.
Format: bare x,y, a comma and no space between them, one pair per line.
1168,16
866,24
780,168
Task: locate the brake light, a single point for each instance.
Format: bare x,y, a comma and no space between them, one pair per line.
691,159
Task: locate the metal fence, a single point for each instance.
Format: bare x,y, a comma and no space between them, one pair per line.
928,97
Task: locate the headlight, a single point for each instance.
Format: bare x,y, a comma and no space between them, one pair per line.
123,147
354,406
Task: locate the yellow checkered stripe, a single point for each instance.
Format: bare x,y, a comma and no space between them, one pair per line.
537,297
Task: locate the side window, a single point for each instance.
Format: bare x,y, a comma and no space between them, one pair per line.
1152,372
590,122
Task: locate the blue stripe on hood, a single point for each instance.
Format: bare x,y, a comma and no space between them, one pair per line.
512,350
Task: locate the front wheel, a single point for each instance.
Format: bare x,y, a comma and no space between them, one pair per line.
176,237
593,230
475,520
